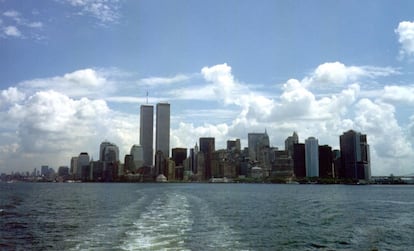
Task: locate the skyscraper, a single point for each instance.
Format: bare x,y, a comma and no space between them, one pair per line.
207,147
312,157
146,133
162,132
290,141
257,143
355,156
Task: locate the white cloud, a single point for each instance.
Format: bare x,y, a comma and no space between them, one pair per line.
106,11
395,93
337,74
64,122
12,31
15,25
153,81
405,32
80,83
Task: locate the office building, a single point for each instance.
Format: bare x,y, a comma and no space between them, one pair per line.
162,131
290,141
355,155
146,134
325,161
312,157
299,162
257,144
207,147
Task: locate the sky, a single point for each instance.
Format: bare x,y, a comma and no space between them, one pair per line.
73,73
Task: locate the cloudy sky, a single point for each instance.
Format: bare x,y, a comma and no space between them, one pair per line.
73,73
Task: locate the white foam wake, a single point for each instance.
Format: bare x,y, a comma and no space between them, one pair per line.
162,226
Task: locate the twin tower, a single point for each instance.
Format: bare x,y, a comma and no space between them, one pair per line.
162,131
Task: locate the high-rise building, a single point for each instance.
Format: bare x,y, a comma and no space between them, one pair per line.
146,134
162,132
312,157
137,154
355,156
83,166
233,145
325,161
257,143
290,141
108,152
299,162
207,147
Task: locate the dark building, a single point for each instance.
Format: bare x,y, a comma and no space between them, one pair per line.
129,164
161,164
336,158
179,155
233,145
207,147
325,161
282,165
355,155
299,162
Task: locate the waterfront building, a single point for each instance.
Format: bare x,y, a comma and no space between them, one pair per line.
312,157
146,134
355,155
63,171
83,166
161,164
44,171
299,162
179,155
108,152
290,141
336,158
74,166
325,161
257,143
137,153
162,132
282,166
129,165
207,147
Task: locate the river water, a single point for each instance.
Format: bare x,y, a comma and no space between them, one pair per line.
136,216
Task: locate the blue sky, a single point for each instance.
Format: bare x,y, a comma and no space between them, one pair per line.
74,72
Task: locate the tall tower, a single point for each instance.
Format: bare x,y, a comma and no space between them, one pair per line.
290,141
355,155
312,157
146,133
162,132
207,147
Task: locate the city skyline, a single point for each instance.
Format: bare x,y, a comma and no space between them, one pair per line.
74,73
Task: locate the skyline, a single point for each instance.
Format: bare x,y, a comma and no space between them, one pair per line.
74,73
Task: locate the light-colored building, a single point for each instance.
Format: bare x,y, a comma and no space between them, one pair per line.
146,133
257,142
137,153
290,141
162,132
312,157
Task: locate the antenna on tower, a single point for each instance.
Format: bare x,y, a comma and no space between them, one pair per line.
147,97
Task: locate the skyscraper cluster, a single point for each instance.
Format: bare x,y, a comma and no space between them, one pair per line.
203,162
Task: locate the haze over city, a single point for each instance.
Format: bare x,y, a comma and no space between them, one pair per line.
74,73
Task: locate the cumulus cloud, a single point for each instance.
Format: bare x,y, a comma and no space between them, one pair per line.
405,32
334,74
62,116
85,82
12,31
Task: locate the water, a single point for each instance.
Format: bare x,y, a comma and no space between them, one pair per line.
60,216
